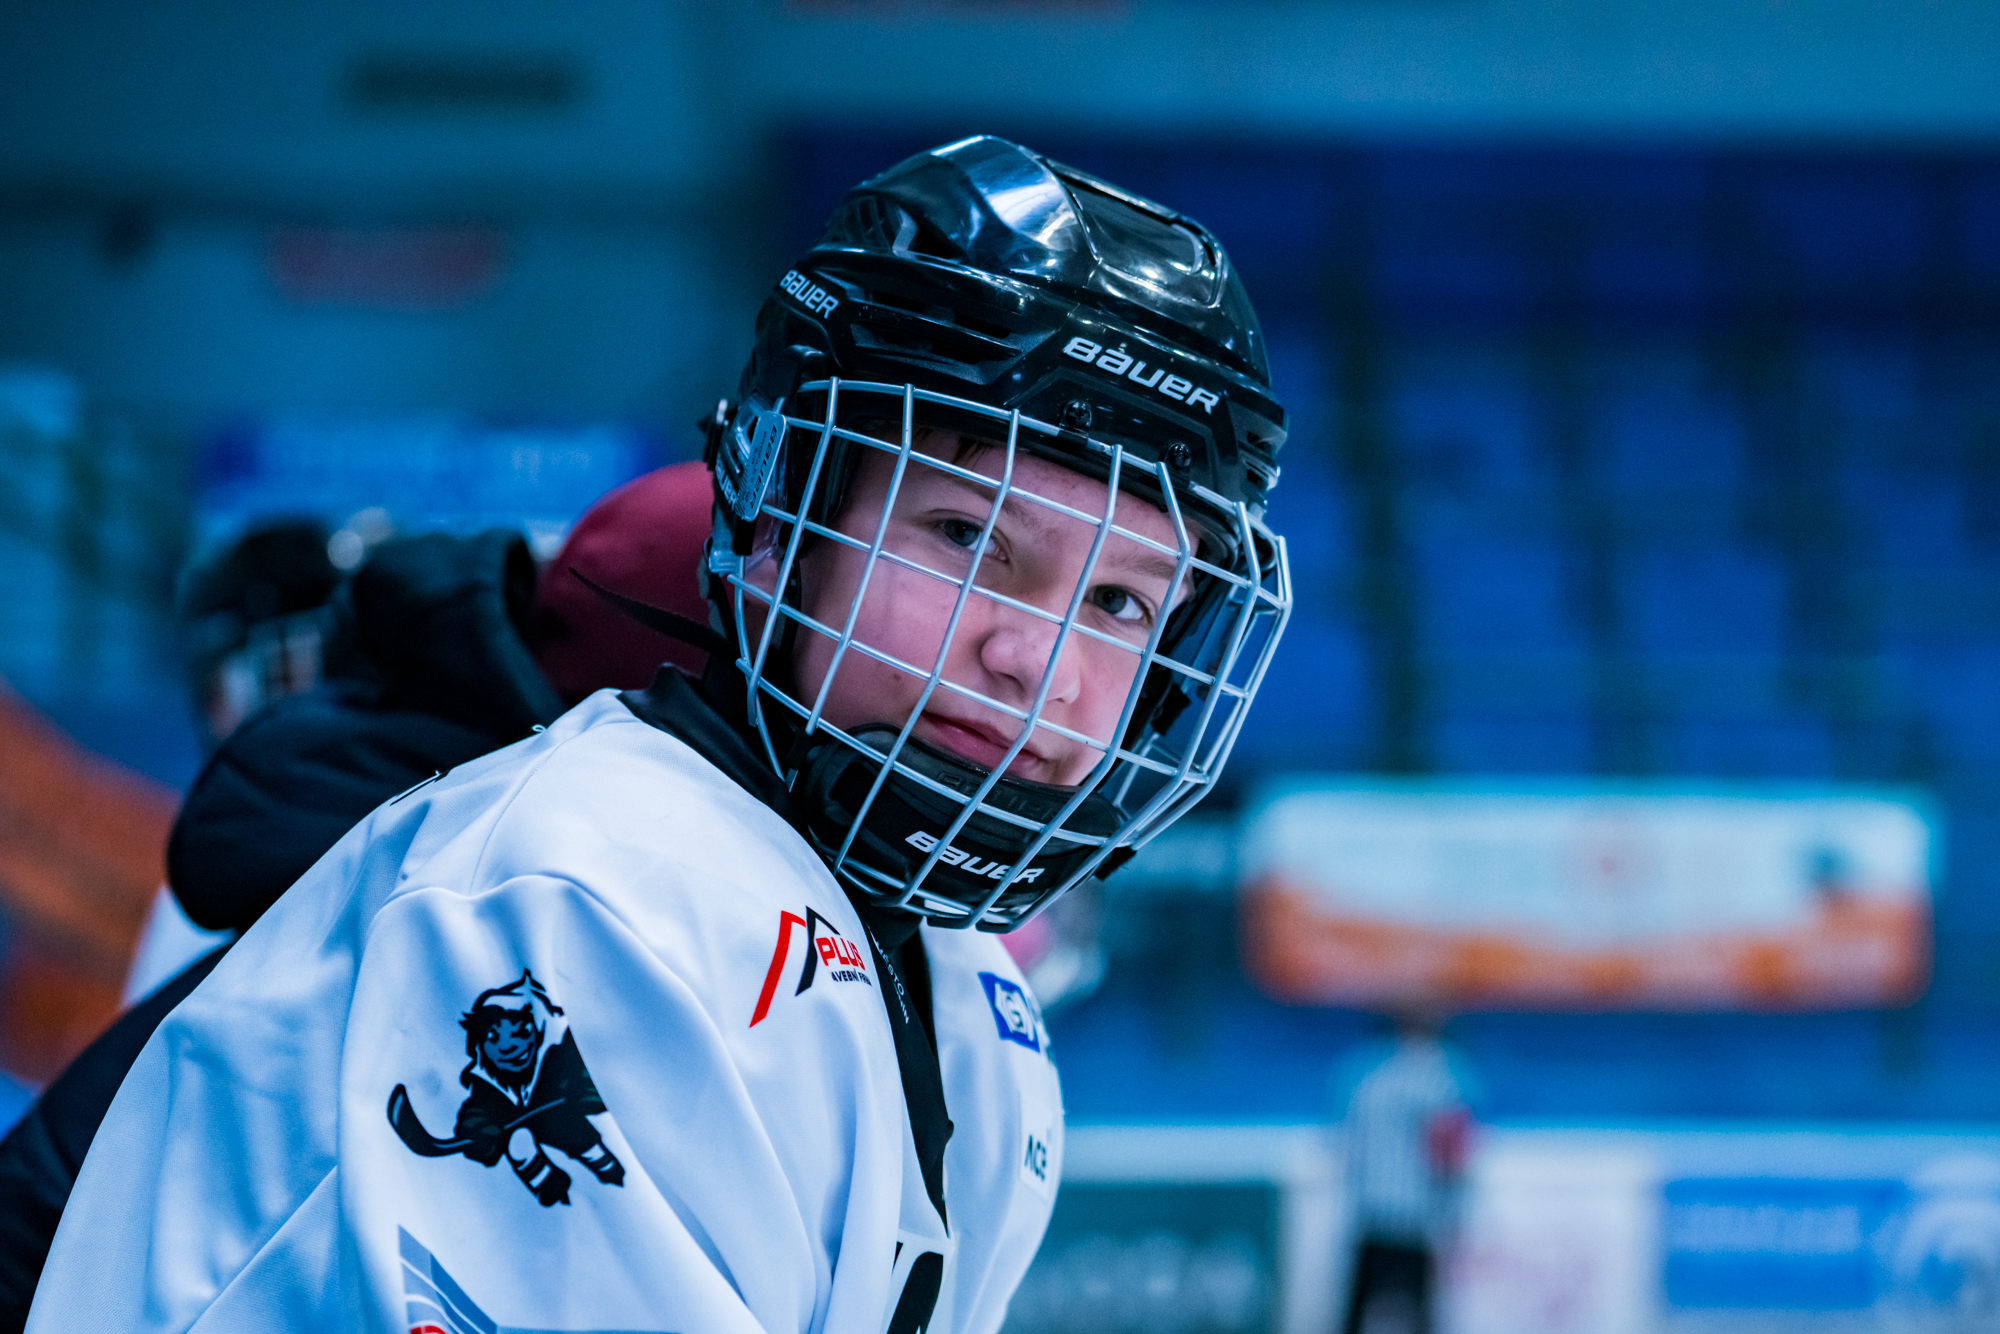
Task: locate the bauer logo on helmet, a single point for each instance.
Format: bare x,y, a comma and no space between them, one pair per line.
1120,362
808,293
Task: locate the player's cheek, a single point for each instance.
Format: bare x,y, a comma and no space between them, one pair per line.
1105,675
1118,671
905,614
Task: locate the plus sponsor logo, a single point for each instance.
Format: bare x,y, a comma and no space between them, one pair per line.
1118,362
827,954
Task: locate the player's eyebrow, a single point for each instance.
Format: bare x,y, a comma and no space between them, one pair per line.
1126,558
1148,563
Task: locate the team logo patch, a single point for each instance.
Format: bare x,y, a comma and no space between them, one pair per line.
1013,1012
828,954
432,1300
527,1091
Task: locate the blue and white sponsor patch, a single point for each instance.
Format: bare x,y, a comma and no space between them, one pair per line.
1013,1013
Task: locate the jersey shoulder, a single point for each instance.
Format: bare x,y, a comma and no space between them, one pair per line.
636,820
599,796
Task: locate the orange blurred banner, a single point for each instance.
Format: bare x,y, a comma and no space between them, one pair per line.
1599,899
82,850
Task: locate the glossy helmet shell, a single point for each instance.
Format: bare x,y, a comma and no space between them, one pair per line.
983,270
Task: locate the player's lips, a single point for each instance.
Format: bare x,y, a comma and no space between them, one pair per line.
981,743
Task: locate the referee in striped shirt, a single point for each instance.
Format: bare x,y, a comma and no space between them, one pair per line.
1406,1128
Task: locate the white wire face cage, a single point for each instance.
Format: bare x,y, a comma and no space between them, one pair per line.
913,823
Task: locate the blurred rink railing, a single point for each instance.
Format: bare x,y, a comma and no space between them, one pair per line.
1178,1229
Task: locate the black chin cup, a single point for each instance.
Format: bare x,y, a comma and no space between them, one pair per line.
907,820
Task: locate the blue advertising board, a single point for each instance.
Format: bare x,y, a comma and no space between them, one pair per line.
424,472
1785,1244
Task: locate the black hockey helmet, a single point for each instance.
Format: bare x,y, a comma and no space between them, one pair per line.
983,289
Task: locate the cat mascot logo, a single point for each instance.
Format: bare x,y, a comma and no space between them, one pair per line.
527,1092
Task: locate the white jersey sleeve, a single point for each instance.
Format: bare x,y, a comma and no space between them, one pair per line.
583,1038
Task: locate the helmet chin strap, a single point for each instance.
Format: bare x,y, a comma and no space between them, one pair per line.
897,825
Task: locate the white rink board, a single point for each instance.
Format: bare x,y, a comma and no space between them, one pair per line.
1562,1231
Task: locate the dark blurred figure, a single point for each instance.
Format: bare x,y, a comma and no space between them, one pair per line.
436,651
1407,1129
253,620
440,649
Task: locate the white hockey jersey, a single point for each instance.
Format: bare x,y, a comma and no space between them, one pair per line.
581,1036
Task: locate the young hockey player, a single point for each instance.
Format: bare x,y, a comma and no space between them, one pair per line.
992,594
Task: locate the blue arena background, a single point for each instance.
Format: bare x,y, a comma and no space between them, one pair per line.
1654,462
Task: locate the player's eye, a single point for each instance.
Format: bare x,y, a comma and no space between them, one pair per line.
963,533
1120,604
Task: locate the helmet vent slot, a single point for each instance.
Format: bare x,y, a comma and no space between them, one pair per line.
897,321
933,243
979,326
868,223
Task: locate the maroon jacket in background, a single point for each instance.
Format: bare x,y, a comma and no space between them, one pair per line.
643,540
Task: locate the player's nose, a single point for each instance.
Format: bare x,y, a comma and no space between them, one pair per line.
1020,648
